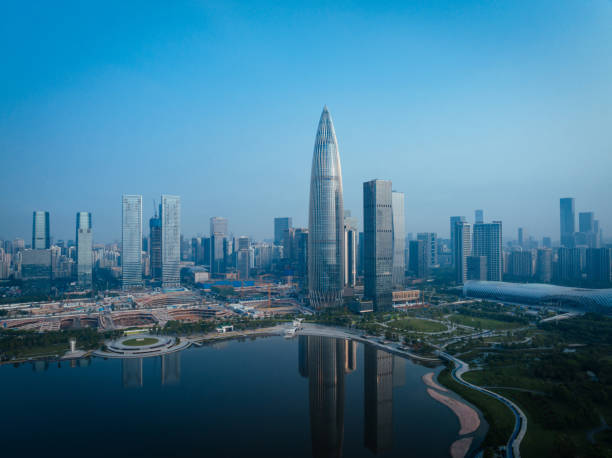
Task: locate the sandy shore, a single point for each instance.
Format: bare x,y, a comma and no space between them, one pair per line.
460,447
429,381
468,417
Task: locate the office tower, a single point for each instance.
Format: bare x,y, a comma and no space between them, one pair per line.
520,265
84,240
197,251
131,242
569,265
218,233
399,239
544,265
479,216
487,242
417,258
378,235
287,243
242,258
155,245
41,239
586,221
300,253
546,242
350,255
476,267
171,241
360,255
454,220
522,237
378,399
323,361
280,226
462,238
431,246
36,270
326,219
598,266
568,221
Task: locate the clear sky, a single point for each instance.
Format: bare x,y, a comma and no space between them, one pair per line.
499,105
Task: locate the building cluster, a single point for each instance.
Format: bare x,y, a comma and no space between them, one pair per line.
331,262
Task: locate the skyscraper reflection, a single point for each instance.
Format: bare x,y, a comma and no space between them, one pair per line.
171,368
131,372
378,399
324,360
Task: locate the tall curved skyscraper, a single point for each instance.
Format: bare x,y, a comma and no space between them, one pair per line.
326,219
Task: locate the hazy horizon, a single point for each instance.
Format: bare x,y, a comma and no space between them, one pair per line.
503,107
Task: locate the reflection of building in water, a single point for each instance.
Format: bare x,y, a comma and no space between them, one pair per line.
378,399
399,371
171,368
350,358
40,366
323,361
131,372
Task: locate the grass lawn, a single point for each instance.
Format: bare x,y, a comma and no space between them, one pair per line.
46,350
499,417
415,324
138,341
483,323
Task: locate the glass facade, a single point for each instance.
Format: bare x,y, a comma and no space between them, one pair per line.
487,242
131,242
378,238
41,239
171,241
399,239
326,219
84,241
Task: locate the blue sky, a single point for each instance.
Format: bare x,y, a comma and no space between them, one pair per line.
504,106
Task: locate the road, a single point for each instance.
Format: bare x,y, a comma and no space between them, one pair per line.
520,423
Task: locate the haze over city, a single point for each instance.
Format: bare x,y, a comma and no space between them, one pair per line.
504,107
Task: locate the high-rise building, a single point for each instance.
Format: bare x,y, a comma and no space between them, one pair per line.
586,221
598,266
569,265
171,241
84,241
431,246
41,239
479,216
350,253
300,253
36,270
544,265
218,234
520,264
568,221
155,245
281,224
417,258
546,242
462,248
243,258
399,239
378,235
454,220
326,219
131,242
487,242
522,237
476,268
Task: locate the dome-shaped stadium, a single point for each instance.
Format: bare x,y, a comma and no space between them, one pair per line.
594,300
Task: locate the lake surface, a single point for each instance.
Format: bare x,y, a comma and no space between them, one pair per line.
273,397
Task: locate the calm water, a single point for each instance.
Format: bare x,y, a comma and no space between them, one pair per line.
273,397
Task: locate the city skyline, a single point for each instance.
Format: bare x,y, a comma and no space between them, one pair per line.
484,138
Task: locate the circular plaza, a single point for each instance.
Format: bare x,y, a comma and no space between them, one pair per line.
141,346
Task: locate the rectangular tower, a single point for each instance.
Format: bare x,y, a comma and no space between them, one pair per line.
568,221
487,242
41,239
399,239
131,242
454,220
84,241
281,224
431,246
171,241
462,238
378,234
218,234
155,244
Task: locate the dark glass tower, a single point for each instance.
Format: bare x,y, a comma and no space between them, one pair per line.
326,219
